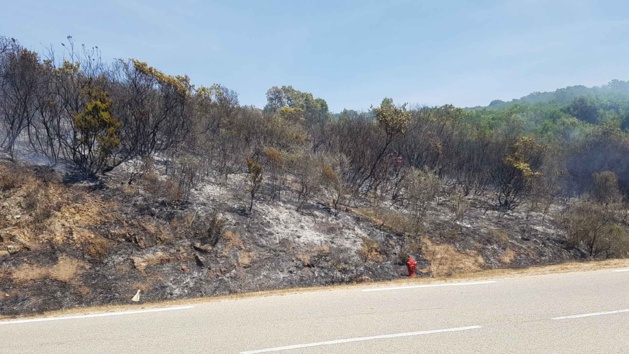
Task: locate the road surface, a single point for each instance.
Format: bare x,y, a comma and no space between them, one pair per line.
557,313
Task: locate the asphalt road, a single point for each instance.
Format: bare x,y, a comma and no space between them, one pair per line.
558,313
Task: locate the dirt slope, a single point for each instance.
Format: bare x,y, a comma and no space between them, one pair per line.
64,245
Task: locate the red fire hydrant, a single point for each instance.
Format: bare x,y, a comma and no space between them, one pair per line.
411,265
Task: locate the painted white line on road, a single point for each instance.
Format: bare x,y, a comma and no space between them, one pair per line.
106,314
620,270
361,339
591,314
430,286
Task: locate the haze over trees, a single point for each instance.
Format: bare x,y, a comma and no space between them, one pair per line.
538,150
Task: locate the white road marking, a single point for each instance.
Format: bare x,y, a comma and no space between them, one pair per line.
620,270
591,314
96,315
430,286
361,339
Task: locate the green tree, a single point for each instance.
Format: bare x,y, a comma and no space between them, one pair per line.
583,109
314,110
393,120
517,171
96,133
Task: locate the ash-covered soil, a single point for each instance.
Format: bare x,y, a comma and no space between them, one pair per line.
65,245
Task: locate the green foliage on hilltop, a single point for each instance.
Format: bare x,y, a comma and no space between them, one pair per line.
567,109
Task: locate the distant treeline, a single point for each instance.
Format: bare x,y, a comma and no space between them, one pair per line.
97,115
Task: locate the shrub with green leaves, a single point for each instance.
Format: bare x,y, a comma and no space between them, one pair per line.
96,133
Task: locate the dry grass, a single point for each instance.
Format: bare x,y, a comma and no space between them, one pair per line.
65,270
142,262
507,256
88,211
370,251
46,211
304,259
98,247
232,240
501,237
11,177
446,261
325,249
245,259
392,220
28,272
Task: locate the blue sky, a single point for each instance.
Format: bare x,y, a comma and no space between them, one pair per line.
351,53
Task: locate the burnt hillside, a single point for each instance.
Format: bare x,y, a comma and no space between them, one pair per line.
98,243
117,177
